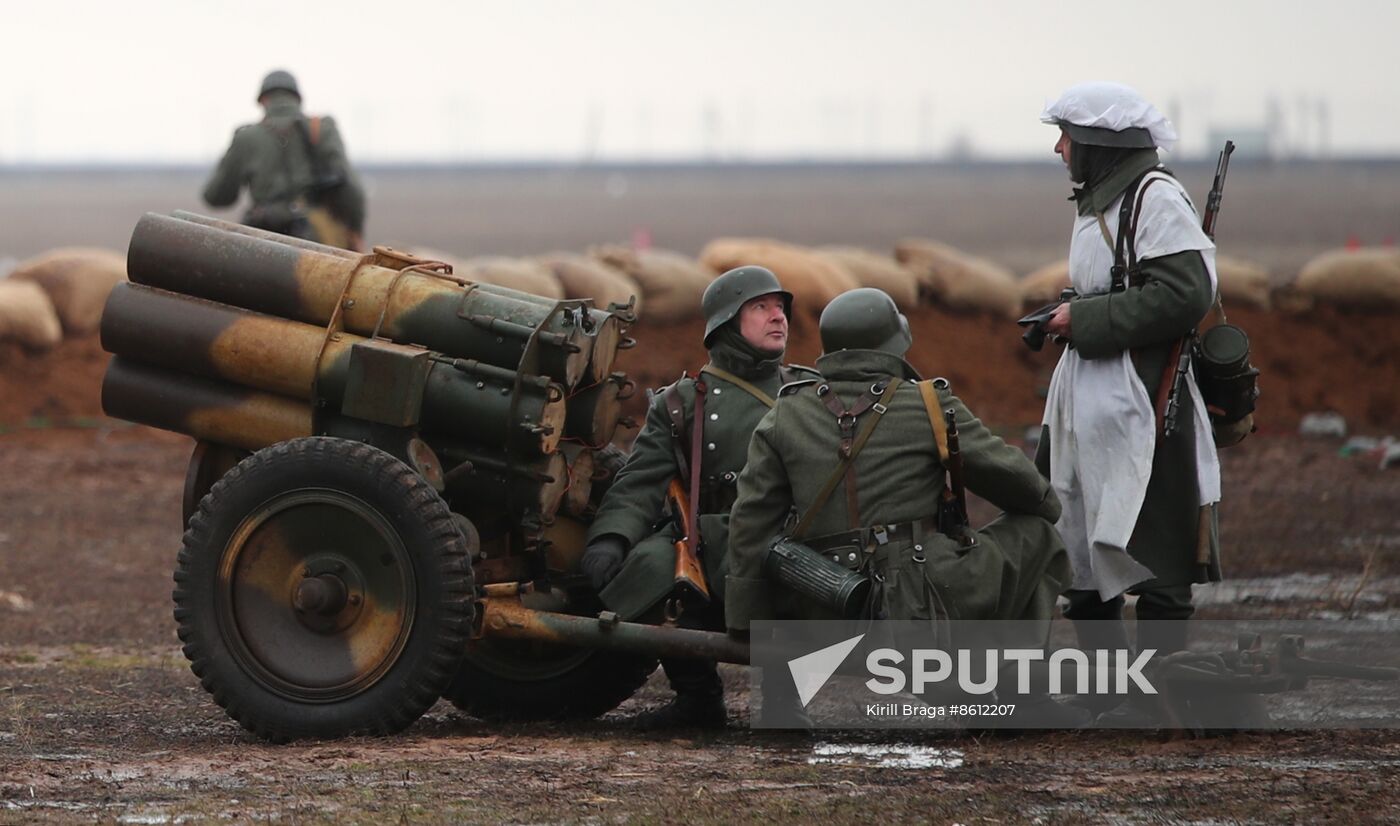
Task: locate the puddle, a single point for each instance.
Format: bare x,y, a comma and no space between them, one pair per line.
1341,589
886,756
63,805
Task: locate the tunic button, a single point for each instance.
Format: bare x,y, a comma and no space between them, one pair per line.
716,391
714,417
852,557
836,558
710,446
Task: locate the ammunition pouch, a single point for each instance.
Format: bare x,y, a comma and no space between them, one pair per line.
1228,382
817,577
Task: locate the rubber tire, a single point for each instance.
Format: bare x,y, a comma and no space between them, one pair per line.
595,686
436,643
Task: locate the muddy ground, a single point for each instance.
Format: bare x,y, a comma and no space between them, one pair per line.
101,719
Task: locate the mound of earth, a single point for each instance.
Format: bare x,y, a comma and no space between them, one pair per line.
1325,360
1328,359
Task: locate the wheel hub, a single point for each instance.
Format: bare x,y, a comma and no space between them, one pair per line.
316,594
325,595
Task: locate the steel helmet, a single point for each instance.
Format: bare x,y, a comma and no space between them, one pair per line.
279,80
730,291
864,319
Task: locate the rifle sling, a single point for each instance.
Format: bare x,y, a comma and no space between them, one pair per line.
697,436
935,419
1125,261
847,461
720,372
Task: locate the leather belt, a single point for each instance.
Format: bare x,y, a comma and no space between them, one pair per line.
849,548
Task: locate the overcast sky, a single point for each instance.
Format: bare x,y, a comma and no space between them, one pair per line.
418,80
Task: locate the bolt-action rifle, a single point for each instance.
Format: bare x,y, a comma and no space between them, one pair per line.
952,502
1169,403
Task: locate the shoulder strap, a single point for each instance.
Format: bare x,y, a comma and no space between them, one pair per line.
935,419
848,456
720,372
1125,265
697,435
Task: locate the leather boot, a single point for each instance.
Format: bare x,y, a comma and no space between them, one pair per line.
1095,635
699,700
1161,626
781,707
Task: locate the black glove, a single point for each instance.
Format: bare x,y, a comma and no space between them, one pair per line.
603,559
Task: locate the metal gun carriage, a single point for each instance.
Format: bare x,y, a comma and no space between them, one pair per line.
392,477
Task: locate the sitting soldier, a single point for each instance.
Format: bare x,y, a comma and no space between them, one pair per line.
746,327
870,406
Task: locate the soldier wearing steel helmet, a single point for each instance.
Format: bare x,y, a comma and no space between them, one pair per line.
1018,566
746,328
881,517
294,166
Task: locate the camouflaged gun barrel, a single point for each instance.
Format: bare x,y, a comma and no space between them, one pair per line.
266,235
207,409
595,411
577,499
385,294
340,372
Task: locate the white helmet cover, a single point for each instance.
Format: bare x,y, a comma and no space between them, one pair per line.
1110,106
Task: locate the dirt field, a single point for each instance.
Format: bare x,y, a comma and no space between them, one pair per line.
101,719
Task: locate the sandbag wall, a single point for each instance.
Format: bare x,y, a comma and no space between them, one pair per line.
245,338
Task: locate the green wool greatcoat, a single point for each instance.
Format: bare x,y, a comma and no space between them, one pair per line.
274,161
634,507
1174,297
1016,569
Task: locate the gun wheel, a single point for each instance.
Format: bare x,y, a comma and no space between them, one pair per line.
324,589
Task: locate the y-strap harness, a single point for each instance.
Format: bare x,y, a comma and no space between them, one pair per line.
688,467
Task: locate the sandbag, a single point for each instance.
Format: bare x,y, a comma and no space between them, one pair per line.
27,315
583,277
671,283
872,269
515,273
1242,283
77,281
959,281
1366,278
812,278
1044,285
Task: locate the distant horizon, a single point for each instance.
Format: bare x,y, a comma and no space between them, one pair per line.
818,162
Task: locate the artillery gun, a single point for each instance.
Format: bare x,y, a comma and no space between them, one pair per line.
392,475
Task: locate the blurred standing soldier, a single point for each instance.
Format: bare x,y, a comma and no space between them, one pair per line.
296,171
1139,506
881,515
746,328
